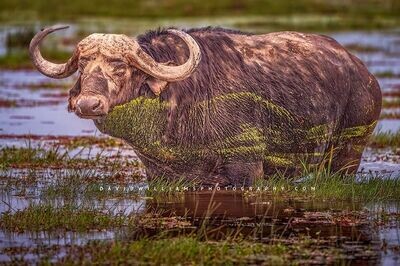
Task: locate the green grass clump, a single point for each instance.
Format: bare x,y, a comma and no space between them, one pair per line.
337,187
385,139
332,186
175,251
12,156
56,156
38,218
321,182
85,184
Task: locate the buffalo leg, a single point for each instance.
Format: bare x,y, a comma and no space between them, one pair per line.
348,156
239,173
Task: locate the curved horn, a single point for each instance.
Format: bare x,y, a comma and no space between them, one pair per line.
45,67
168,73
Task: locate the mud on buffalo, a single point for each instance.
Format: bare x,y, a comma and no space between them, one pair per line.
222,106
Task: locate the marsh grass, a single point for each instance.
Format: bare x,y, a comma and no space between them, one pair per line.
56,156
370,188
73,202
165,247
385,139
39,155
176,251
36,218
162,248
83,178
342,186
12,156
104,187
84,216
321,182
83,184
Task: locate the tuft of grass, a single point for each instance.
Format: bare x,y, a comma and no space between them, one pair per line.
323,183
56,156
38,218
85,184
174,251
385,139
331,186
84,217
12,156
338,187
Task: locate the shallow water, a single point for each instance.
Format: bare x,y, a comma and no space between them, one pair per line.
351,226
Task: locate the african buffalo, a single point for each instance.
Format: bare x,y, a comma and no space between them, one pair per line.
223,106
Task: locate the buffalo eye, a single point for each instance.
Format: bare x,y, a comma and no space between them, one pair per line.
119,71
84,60
82,65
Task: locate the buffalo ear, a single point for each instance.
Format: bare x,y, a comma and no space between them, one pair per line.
74,92
156,85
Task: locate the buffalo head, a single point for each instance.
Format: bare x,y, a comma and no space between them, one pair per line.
107,65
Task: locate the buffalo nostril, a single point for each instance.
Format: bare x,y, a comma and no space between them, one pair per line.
89,106
96,105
